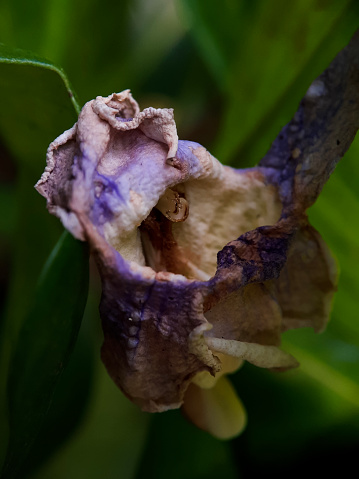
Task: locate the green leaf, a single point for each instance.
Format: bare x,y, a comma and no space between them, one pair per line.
107,46
8,209
325,361
110,442
177,446
70,405
46,340
334,215
16,56
37,105
34,96
264,56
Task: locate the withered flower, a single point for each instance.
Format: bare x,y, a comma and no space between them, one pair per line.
202,266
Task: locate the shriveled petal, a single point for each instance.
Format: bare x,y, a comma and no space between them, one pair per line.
250,314
146,338
184,244
299,162
307,283
218,411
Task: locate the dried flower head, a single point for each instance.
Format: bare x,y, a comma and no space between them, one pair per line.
203,266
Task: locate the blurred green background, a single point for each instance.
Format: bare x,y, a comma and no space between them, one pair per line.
234,71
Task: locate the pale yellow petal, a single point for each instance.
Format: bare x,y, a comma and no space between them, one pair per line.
218,411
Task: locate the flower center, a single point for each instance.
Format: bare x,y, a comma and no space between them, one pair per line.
160,248
173,206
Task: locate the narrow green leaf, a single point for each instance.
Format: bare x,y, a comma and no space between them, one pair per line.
110,442
69,408
35,108
45,342
107,46
15,56
177,446
8,210
37,105
326,375
264,55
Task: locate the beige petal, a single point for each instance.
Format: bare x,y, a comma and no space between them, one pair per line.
218,411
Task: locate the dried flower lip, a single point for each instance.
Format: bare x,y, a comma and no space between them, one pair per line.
156,211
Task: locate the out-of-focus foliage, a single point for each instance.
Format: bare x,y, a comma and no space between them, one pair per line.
42,319
234,71
53,320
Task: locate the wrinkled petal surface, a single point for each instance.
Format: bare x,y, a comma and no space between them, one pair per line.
202,265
